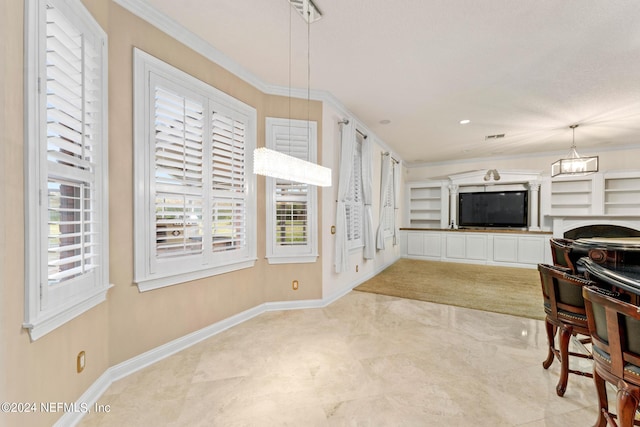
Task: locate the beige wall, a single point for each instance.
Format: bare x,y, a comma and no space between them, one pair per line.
130,322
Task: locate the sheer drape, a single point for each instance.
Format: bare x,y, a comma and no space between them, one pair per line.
385,175
341,262
396,201
367,197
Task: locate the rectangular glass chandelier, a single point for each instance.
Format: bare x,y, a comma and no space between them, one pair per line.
278,165
574,165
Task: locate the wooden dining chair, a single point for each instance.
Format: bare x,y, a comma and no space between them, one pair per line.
565,312
561,253
614,326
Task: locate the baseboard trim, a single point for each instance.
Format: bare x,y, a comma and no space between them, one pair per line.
148,358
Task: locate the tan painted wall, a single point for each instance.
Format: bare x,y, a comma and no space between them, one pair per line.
130,322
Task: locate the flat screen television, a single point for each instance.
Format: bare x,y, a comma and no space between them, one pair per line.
502,209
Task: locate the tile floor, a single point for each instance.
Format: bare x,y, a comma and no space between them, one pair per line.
365,360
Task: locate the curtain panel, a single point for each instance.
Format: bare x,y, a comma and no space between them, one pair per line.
341,262
385,178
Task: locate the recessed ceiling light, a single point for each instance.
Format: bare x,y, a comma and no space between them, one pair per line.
384,122
465,121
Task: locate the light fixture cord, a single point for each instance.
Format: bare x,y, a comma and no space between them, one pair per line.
290,44
308,80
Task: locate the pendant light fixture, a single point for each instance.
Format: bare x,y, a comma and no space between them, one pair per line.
574,165
275,164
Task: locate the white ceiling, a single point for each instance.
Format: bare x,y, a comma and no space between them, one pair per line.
527,69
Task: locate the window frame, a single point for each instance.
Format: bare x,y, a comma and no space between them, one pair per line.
147,275
280,254
49,306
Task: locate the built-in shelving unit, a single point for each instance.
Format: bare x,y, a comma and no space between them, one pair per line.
572,196
622,194
427,202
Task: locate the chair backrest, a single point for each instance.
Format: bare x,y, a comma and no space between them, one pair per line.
614,326
560,253
562,292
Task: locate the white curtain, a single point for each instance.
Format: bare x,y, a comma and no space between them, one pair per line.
396,201
385,179
367,197
341,262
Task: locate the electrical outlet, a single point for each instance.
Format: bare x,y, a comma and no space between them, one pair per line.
80,362
294,285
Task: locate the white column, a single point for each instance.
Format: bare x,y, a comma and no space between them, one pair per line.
534,213
453,205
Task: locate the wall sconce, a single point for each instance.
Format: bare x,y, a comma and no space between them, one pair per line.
492,173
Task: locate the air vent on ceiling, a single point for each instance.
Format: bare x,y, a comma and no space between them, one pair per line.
307,9
497,136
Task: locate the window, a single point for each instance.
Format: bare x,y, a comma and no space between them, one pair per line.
67,268
291,206
354,204
194,193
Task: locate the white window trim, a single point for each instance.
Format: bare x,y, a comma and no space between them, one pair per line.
144,231
298,254
41,319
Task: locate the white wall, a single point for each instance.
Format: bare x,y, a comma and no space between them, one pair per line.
610,160
337,283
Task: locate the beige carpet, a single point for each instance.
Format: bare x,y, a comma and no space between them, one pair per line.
506,290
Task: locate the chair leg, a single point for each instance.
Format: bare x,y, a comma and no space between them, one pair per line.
628,398
603,403
551,334
565,335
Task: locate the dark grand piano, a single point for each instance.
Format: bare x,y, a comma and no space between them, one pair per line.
611,261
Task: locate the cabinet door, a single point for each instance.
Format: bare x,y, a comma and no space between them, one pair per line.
415,244
505,248
456,246
432,244
476,246
531,249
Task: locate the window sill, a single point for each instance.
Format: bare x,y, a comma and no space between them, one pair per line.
50,321
151,283
292,259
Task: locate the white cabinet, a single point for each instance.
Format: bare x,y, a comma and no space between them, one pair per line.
521,249
467,246
424,245
476,246
507,249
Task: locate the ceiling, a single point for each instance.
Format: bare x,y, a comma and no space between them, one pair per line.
527,69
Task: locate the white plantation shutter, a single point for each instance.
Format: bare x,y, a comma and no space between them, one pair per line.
67,267
73,124
178,174
228,215
291,220
291,197
354,204
193,195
